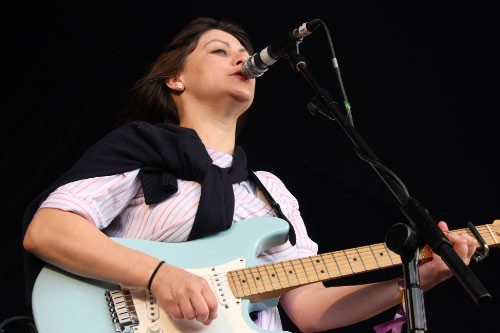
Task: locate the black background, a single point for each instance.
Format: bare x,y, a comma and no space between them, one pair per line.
416,75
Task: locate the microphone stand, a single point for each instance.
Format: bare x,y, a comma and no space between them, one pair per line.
405,239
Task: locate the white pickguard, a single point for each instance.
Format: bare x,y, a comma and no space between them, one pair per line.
153,319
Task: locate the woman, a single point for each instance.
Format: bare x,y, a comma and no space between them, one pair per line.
196,85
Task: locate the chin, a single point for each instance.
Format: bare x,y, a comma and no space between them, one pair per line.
244,97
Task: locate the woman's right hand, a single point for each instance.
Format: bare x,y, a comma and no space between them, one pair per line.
184,295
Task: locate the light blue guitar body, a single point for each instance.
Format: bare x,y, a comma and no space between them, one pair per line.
66,303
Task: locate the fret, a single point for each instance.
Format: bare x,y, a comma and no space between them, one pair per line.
306,265
354,260
382,254
487,234
321,267
290,273
375,259
280,270
264,278
494,239
240,282
333,267
235,284
257,279
366,256
273,277
301,271
343,263
351,264
250,281
340,259
328,266
360,256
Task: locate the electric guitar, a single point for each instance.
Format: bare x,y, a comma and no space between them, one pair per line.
63,302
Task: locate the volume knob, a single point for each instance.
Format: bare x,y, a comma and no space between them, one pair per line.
154,328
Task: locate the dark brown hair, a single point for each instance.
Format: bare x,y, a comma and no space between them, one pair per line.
153,98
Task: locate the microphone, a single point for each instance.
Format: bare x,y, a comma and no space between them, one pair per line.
258,64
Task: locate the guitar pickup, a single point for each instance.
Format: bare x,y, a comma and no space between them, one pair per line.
221,285
153,310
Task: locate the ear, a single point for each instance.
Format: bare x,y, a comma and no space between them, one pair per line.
175,84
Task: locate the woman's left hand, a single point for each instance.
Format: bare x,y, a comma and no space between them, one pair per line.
436,271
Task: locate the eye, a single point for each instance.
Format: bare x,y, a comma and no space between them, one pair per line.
220,51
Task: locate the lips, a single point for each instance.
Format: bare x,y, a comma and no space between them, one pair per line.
240,75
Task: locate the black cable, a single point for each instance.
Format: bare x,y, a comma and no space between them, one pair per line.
336,67
26,320
375,163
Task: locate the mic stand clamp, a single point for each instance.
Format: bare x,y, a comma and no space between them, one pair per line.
403,240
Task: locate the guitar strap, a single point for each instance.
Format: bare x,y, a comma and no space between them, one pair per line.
274,205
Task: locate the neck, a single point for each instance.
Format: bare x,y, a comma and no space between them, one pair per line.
221,141
217,135
215,127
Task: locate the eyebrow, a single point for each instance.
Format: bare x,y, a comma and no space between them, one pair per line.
223,42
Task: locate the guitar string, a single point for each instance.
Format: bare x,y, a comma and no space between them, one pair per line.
340,263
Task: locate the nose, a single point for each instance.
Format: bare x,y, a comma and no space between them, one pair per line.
240,59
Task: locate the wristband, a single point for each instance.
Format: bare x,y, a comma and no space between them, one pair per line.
154,274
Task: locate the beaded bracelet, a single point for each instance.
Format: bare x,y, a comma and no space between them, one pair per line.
154,274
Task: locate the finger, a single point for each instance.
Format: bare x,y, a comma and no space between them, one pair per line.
186,308
463,241
174,311
212,304
461,247
443,226
465,246
472,244
200,307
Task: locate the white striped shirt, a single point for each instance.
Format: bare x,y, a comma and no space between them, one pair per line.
115,204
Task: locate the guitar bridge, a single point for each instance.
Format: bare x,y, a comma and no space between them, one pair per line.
122,310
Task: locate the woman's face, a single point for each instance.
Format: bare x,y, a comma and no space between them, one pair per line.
213,70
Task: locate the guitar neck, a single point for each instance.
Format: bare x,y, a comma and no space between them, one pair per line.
267,281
